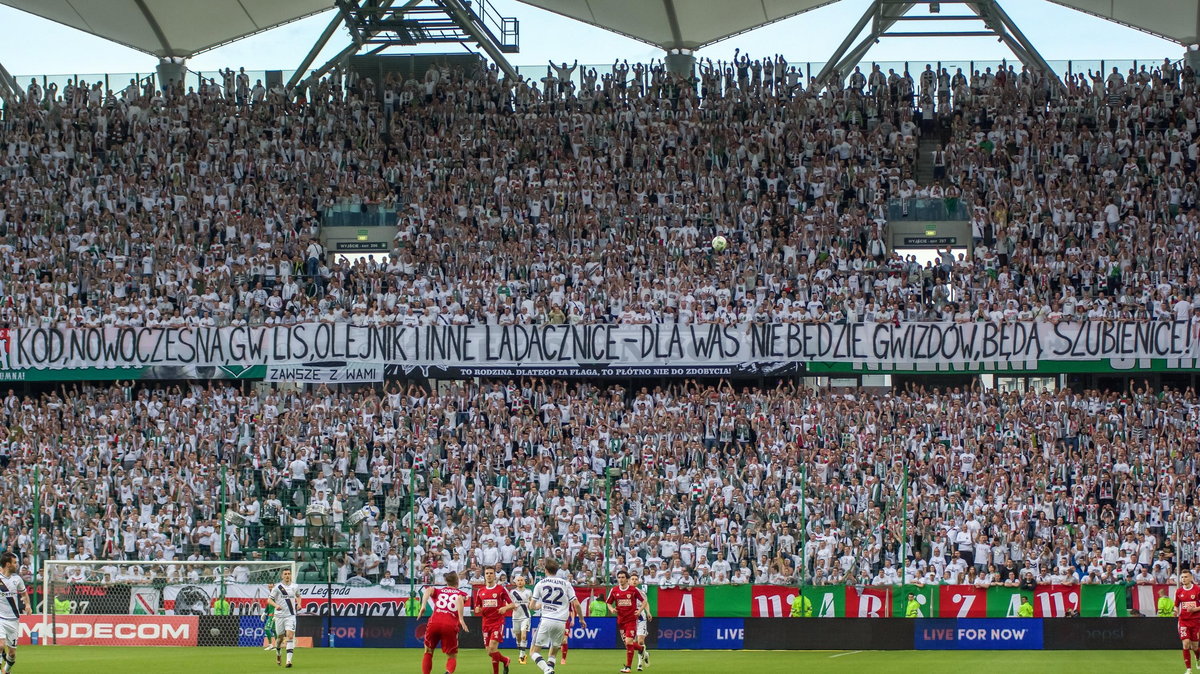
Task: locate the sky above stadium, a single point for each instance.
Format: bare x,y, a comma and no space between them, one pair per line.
32,45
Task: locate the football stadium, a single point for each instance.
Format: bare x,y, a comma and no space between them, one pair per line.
715,339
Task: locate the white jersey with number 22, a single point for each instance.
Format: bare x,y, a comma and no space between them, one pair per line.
555,596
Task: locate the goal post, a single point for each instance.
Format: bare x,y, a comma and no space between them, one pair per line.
154,603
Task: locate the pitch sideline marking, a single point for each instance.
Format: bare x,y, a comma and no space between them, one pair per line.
849,653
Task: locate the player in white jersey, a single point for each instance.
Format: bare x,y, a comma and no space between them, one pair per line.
12,587
521,615
643,622
555,598
285,595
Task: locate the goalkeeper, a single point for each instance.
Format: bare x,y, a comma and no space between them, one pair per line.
269,627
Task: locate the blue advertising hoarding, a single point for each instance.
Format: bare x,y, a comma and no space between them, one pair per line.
347,632
599,633
699,633
388,632
989,634
250,631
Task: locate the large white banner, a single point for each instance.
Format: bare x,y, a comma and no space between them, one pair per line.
672,349
315,599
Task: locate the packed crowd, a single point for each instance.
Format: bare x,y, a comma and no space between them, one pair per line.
591,198
714,484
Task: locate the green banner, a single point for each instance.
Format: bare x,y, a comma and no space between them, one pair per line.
926,596
1102,601
1003,602
731,601
828,601
652,597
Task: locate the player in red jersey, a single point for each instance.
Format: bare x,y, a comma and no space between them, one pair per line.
627,600
567,635
444,624
492,602
1187,603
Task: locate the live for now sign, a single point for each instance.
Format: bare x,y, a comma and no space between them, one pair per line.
978,634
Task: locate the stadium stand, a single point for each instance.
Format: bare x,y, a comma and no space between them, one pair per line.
592,201
202,208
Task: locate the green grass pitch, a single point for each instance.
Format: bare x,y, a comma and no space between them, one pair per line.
143,660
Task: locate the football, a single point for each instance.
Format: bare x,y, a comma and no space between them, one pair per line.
719,243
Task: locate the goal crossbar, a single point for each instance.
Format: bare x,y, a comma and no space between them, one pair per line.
54,572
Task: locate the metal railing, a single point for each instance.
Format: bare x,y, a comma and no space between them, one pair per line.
353,214
198,77
927,209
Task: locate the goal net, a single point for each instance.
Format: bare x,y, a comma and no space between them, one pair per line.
134,603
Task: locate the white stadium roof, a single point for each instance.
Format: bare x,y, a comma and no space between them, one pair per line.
691,24
687,24
172,28
182,28
1174,20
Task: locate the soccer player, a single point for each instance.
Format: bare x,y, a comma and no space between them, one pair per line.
556,599
643,622
492,601
1187,599
627,600
521,615
444,624
286,598
12,586
567,636
269,627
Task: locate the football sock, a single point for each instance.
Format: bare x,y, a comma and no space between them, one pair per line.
629,655
1187,658
427,664
495,663
564,650
451,665
12,661
541,663
291,645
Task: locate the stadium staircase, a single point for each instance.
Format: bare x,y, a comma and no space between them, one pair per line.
930,142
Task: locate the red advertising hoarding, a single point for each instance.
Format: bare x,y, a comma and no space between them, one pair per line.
112,630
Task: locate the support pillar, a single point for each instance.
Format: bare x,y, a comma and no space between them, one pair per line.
171,71
10,91
681,62
1192,57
